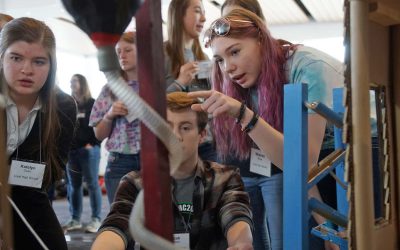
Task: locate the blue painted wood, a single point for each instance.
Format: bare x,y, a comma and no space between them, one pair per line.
328,212
342,204
327,233
295,202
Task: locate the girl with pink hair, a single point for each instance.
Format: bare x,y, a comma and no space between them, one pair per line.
249,72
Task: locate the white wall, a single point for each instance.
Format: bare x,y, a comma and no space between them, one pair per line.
69,64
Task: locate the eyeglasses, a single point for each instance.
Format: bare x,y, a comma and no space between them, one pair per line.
221,27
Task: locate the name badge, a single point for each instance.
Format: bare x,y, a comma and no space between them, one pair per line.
28,174
259,163
80,115
182,240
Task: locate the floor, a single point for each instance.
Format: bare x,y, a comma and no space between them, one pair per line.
78,239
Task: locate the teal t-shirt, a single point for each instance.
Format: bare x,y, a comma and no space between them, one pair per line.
321,72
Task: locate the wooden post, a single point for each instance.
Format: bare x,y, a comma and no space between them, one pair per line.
5,209
154,156
295,148
363,192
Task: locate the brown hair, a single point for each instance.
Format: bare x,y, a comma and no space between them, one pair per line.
251,5
174,46
179,101
4,18
34,31
84,87
129,37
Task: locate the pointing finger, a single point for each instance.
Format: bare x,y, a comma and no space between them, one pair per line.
197,107
201,94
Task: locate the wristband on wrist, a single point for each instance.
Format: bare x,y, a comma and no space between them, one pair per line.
184,89
241,112
251,124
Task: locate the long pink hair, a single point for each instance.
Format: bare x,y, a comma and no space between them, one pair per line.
229,137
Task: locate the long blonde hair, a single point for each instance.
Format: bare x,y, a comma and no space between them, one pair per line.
174,45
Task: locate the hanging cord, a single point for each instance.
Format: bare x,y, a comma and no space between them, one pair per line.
25,221
22,217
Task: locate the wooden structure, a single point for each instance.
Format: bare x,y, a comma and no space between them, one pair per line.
374,51
154,156
5,208
372,103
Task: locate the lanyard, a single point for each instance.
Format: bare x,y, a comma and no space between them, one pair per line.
40,136
186,224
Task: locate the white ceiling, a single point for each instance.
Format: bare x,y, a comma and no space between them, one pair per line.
286,18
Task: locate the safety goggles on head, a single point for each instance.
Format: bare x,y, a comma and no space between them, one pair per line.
220,27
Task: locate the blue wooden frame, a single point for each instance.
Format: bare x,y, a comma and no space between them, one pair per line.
295,187
341,193
295,202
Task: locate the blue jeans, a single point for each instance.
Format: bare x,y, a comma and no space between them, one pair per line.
84,163
266,200
119,165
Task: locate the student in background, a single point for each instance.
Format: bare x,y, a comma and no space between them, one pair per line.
182,50
110,119
40,128
83,161
187,67
251,5
249,72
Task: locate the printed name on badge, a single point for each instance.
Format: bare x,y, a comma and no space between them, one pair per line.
27,174
259,163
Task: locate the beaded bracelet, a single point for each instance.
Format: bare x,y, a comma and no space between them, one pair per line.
251,124
241,113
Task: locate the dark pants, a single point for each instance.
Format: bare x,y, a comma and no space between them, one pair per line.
36,208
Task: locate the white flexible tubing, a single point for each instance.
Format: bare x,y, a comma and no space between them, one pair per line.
147,115
146,238
2,101
140,109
